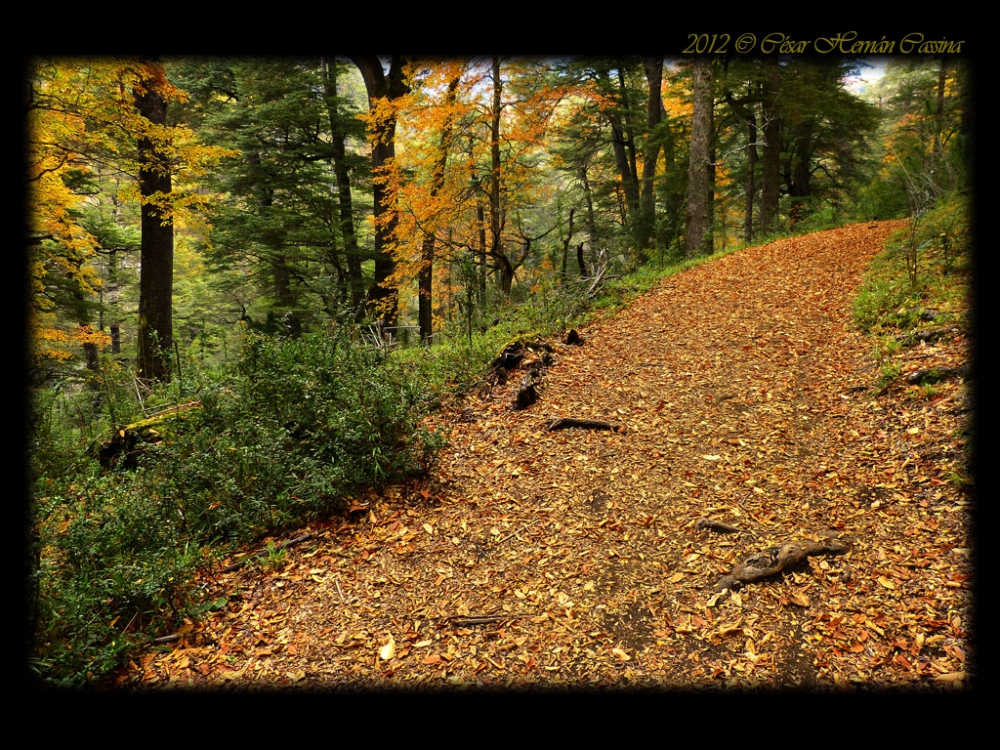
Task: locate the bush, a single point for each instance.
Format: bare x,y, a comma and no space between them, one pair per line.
282,436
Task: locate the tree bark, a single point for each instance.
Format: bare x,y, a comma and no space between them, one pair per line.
496,213
566,243
744,108
425,281
619,143
771,166
155,329
344,196
698,236
382,88
654,110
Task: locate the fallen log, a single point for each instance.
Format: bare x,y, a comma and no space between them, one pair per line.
132,440
564,423
775,559
936,374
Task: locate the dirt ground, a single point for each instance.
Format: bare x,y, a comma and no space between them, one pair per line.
580,558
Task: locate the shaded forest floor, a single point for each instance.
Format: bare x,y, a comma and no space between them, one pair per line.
577,557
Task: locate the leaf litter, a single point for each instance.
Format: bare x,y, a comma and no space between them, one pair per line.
532,558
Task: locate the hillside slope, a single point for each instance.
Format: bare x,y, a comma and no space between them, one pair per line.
751,418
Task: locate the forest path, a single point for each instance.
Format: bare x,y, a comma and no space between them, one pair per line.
574,557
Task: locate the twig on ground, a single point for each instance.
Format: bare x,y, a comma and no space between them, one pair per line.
263,553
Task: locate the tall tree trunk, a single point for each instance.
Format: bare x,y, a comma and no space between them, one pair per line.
382,89
771,165
156,277
496,215
798,176
749,186
285,297
698,234
629,132
566,241
591,218
744,108
274,241
619,143
654,110
345,201
425,280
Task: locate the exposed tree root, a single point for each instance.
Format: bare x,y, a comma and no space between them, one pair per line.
564,423
775,559
936,374
708,523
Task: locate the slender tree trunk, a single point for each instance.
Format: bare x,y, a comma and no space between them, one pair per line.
619,147
629,132
382,89
156,278
749,186
569,239
345,201
425,281
654,110
481,221
496,214
589,198
771,166
699,228
285,297
798,176
744,108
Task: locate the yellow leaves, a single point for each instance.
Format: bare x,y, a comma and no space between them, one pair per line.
82,113
380,119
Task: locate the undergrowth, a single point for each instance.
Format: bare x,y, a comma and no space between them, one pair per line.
285,433
920,280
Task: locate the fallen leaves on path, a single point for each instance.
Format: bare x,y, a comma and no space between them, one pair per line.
579,557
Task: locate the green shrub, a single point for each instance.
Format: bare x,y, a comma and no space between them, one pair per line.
282,436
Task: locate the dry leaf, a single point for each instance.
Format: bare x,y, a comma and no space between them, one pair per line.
388,650
950,677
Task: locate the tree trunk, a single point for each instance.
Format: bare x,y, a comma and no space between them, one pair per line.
566,242
382,89
629,132
155,330
654,109
749,186
591,218
618,144
425,280
744,108
798,176
698,236
345,201
771,167
496,218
